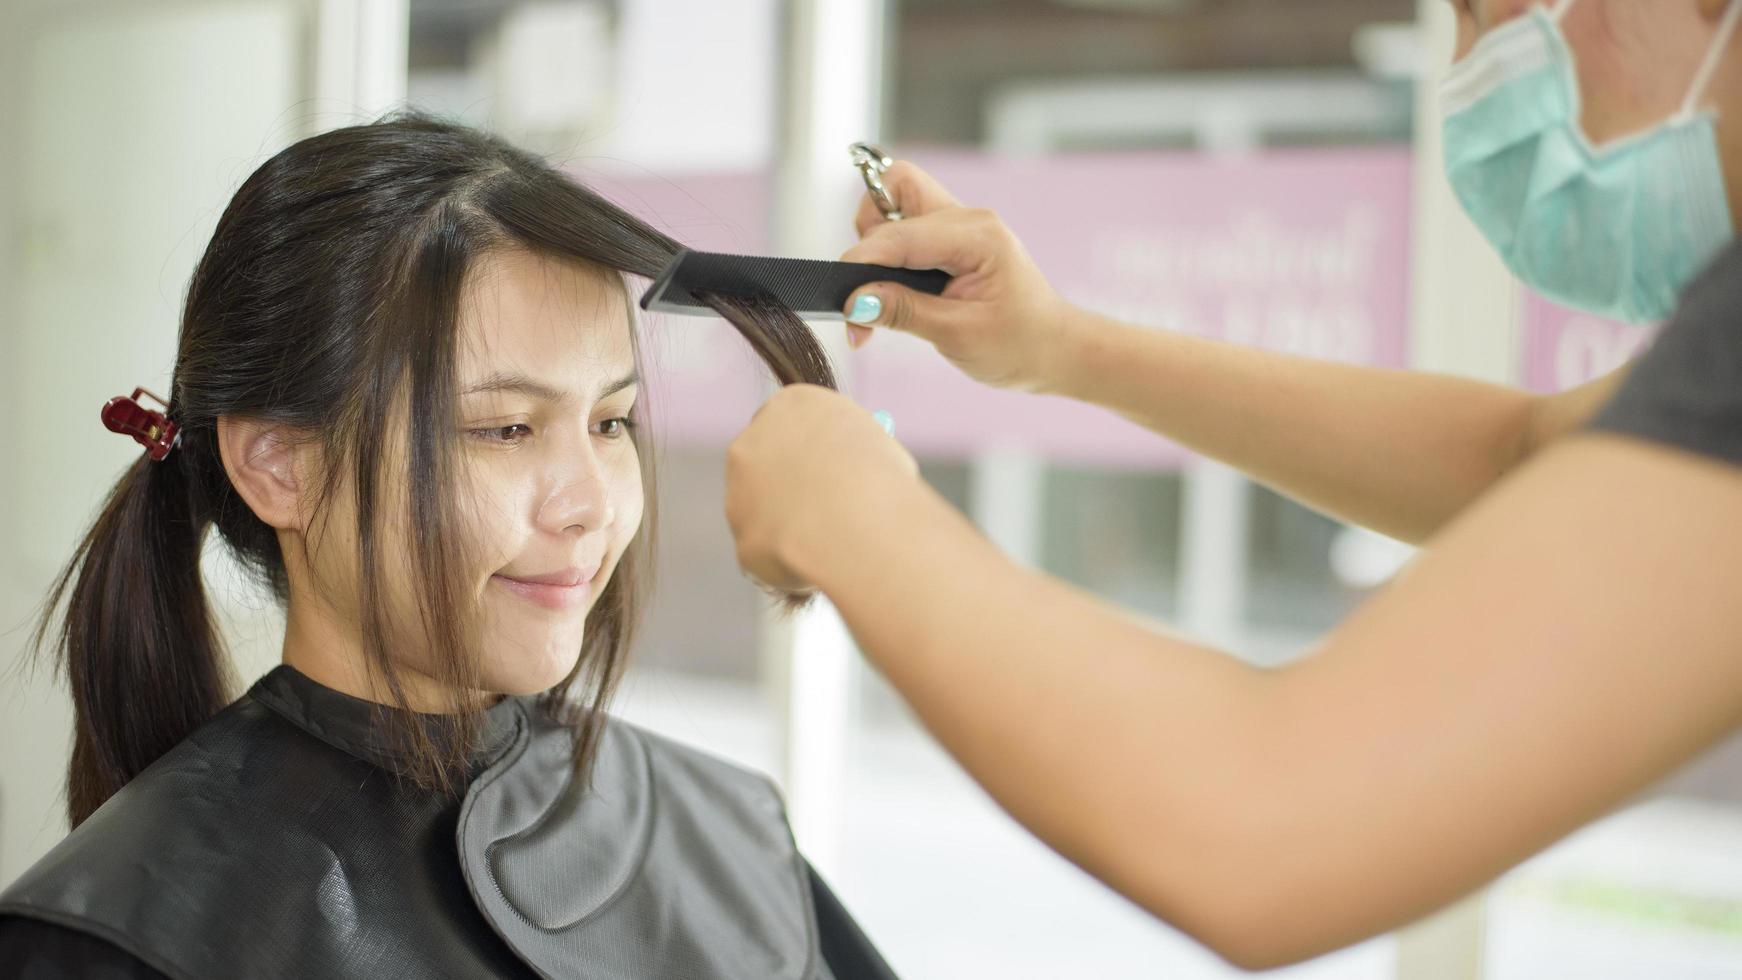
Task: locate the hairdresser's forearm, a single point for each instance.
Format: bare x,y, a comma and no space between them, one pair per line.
1130,752
1400,452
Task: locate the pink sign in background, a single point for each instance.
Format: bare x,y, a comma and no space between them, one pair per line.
1565,348
1298,251
1305,252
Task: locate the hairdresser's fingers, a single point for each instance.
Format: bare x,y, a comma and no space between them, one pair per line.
895,307
957,241
998,320
916,194
869,215
809,462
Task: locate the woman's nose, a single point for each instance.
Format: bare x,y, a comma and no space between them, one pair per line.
579,496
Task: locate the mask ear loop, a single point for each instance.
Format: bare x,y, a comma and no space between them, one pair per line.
1714,57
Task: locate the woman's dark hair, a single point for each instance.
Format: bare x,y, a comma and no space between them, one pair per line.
328,299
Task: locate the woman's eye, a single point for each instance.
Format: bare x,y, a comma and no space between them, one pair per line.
616,428
507,434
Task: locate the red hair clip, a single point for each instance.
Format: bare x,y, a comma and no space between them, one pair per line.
151,429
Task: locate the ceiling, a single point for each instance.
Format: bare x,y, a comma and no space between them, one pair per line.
950,54
947,57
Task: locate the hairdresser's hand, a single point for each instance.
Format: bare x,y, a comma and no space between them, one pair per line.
999,320
810,464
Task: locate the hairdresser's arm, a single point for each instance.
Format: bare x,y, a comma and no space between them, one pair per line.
1400,452
1566,641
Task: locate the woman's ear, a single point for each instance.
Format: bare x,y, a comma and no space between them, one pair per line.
267,464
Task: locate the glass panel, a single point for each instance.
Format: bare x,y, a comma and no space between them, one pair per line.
1291,585
1116,534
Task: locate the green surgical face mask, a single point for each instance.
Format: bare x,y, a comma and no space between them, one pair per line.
1617,230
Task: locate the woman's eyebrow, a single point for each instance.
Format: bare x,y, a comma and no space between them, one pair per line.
523,385
628,380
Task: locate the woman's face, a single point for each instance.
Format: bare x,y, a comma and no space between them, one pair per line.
550,494
547,377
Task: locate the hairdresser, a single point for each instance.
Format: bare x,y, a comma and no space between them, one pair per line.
1571,632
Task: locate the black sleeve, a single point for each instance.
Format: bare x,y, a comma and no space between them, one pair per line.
1686,391
847,950
34,950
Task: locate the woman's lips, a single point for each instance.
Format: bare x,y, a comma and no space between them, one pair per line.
551,595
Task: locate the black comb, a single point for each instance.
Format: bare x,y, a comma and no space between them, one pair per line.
813,289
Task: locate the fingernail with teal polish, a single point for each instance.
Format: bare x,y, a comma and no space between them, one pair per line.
886,420
866,309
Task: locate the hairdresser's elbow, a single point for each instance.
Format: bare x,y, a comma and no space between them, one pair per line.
1246,890
1249,947
1239,852
1256,924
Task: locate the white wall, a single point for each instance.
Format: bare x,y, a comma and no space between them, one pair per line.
695,86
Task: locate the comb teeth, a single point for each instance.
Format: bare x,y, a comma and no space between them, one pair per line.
811,288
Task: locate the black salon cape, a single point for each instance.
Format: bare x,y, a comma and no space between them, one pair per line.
275,842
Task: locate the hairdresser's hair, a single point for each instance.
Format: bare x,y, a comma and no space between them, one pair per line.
328,299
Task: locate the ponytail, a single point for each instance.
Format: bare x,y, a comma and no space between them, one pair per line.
137,643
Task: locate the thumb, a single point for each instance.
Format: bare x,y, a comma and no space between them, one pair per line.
896,307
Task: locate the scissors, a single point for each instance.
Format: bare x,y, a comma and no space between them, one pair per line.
872,163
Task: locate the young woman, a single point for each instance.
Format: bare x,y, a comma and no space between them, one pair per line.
406,396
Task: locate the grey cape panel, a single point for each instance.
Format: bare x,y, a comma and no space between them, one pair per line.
686,867
273,842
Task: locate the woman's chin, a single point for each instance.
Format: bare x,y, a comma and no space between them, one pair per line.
534,670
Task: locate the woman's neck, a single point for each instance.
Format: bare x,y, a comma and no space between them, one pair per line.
331,654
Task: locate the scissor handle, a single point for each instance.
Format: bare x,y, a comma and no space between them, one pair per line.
872,162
